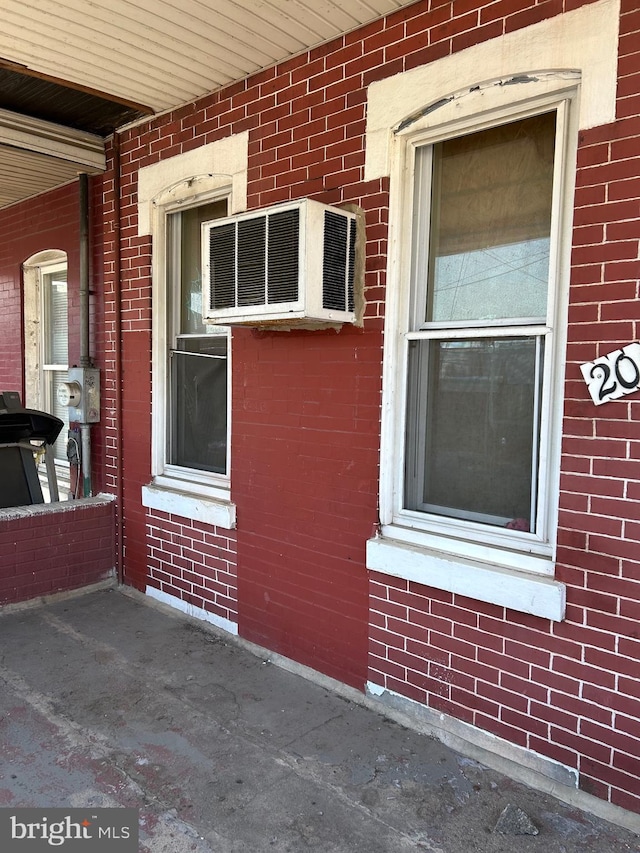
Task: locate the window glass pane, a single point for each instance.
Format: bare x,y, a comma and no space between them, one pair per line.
60,447
472,438
55,308
490,223
55,350
189,262
199,398
197,404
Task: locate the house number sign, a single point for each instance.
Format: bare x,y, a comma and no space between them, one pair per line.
614,375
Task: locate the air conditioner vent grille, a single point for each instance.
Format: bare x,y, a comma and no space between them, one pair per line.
352,266
284,256
334,282
293,265
251,261
223,266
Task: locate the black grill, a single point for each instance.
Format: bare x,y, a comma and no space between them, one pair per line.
222,261
257,260
251,261
284,256
335,282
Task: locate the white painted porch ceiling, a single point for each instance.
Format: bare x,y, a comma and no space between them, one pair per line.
166,52
159,53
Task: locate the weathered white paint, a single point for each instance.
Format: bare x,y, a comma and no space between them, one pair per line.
24,174
37,155
526,593
568,63
466,738
191,610
494,554
53,140
583,40
15,512
195,177
497,549
220,513
196,173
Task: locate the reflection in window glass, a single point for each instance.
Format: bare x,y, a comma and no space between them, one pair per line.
484,284
199,371
481,264
490,223
480,429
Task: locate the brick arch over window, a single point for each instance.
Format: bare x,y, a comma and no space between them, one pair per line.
584,40
446,107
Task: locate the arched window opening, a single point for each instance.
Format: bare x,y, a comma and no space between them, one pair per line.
46,355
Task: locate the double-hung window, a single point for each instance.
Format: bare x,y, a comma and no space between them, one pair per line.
480,151
472,390
191,360
191,375
197,371
482,279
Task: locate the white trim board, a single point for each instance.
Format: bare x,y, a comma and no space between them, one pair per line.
524,592
219,513
583,40
223,161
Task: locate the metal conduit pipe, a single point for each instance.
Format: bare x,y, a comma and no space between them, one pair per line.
85,359
117,272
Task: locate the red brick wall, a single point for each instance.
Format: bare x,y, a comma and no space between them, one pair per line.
568,690
28,228
306,424
133,439
193,562
46,550
51,222
304,477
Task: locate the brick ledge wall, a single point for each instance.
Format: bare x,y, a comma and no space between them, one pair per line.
49,548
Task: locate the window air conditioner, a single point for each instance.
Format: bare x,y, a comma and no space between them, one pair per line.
294,265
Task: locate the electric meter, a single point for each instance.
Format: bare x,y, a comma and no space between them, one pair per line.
69,394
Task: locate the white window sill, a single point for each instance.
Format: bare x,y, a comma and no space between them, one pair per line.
218,511
525,592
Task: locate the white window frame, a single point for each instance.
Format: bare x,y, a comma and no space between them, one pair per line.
506,567
38,393
582,46
539,543
205,483
193,493
186,181
48,392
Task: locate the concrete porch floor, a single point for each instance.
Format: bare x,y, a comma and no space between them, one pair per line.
107,699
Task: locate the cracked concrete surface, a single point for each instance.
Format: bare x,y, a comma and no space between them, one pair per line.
109,701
